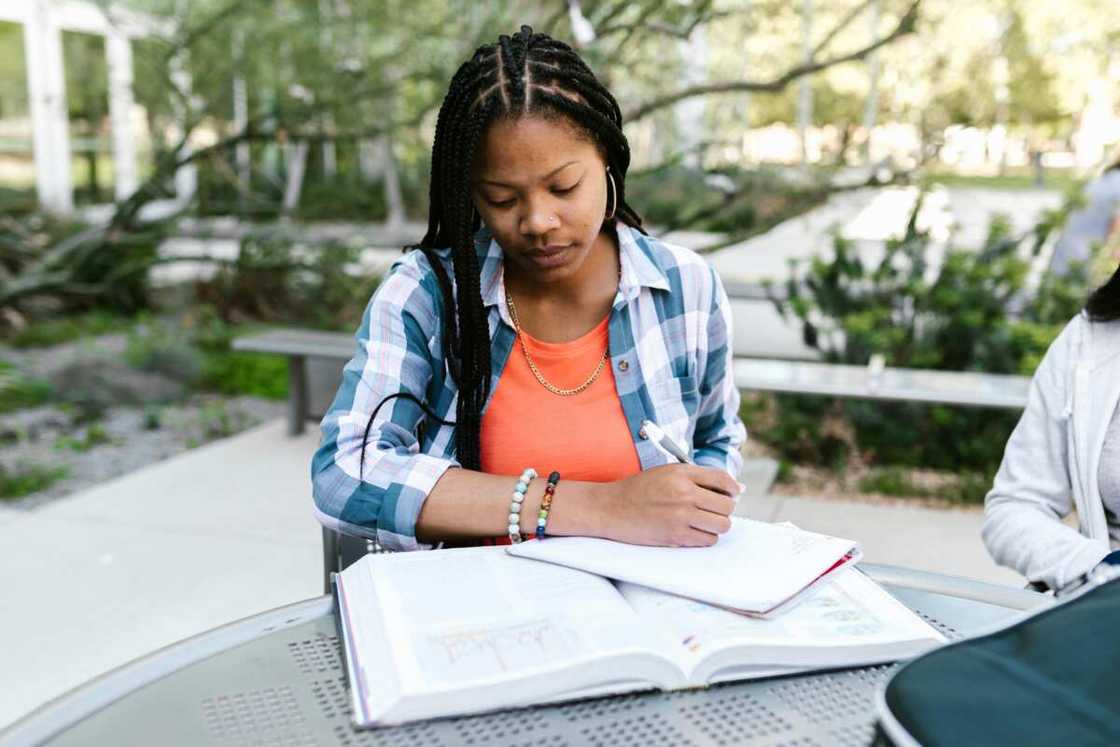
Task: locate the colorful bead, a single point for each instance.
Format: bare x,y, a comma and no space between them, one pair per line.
517,499
546,503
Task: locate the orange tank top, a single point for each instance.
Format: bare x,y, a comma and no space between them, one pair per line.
583,437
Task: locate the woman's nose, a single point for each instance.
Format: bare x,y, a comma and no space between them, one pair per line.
538,220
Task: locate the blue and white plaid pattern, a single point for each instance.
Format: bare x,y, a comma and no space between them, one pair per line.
670,333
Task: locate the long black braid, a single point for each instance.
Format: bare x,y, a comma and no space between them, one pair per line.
526,74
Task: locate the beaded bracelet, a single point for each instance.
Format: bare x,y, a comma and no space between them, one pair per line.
546,503
515,507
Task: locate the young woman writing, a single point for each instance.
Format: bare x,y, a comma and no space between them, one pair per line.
528,335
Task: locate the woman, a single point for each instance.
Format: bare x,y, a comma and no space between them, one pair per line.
1064,455
530,333
1093,224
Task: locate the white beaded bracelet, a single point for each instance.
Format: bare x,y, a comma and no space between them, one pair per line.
515,507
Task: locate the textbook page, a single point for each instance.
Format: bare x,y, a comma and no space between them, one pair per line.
753,567
463,625
848,621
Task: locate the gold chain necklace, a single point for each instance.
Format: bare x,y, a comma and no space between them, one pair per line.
533,366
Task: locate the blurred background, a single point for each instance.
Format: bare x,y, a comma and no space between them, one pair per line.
176,173
894,182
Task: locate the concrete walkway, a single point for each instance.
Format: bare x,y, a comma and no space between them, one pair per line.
100,578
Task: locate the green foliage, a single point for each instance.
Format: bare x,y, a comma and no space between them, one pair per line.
19,391
965,488
674,196
157,347
972,312
95,435
196,350
53,331
277,280
24,479
252,374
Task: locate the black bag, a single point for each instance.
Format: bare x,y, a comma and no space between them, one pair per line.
1050,679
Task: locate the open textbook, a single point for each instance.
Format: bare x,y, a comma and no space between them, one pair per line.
453,632
755,567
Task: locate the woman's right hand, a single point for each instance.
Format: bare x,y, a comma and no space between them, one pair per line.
675,505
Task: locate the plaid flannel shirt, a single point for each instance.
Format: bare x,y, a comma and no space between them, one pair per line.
670,333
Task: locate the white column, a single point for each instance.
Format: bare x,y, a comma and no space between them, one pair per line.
805,85
186,178
118,54
242,153
871,109
46,88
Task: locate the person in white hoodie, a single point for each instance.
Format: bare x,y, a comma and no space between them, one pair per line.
1064,456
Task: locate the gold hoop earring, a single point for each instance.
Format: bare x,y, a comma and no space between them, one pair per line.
614,195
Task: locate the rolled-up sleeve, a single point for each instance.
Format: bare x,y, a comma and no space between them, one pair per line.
719,435
383,498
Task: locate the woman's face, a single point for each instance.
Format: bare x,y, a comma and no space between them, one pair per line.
540,187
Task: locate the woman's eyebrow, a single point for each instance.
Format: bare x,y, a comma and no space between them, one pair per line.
546,176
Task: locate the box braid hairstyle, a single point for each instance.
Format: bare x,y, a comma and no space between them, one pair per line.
528,74
1104,303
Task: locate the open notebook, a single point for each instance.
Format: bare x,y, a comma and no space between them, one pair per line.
453,632
755,567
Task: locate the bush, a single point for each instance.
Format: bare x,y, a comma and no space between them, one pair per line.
277,280
47,332
159,347
25,479
18,392
252,374
744,202
973,313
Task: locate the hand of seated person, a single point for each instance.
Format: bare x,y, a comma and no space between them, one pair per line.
681,505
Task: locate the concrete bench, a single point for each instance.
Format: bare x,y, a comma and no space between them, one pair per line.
315,361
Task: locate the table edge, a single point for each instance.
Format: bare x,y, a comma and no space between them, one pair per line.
64,711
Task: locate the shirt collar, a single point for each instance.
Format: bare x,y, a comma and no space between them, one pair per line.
639,268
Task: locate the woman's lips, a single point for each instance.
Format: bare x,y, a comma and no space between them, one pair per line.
549,256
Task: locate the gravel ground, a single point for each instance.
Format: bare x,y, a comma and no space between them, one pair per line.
160,424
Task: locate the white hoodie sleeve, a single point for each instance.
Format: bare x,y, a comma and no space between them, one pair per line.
1033,491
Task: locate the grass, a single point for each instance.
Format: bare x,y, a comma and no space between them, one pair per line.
95,435
25,479
253,374
963,488
18,391
65,329
1015,179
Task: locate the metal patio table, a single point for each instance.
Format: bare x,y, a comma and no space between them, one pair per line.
277,679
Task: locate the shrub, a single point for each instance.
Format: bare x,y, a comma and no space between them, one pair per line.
18,391
25,479
47,332
973,312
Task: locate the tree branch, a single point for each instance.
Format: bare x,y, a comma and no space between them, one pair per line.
846,21
905,26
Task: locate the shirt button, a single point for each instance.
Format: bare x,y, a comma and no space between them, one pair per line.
624,365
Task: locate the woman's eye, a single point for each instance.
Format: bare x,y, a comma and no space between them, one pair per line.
565,190
502,204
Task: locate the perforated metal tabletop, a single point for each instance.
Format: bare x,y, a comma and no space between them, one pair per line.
277,679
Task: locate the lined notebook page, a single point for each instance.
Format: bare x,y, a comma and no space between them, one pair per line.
754,567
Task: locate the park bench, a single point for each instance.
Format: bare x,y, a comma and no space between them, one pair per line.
316,358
